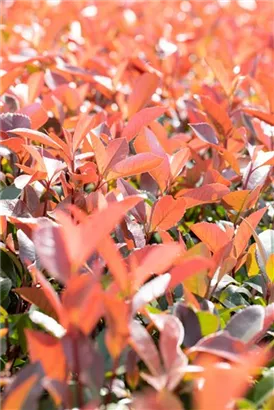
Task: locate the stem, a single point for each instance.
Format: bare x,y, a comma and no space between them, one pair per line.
46,199
248,176
77,370
114,368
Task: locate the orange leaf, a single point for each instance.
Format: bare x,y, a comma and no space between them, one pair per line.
167,212
190,266
8,79
148,142
241,200
218,117
99,151
154,263
136,164
243,233
81,301
267,83
117,326
178,161
84,125
116,151
35,84
205,194
263,116
210,234
37,136
110,253
143,89
37,115
17,397
37,297
141,119
49,351
64,249
220,73
235,375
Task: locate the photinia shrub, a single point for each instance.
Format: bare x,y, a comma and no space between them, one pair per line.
136,218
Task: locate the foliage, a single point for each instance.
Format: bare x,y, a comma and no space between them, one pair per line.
136,205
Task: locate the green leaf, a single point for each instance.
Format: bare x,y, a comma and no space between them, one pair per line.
23,323
244,404
264,388
209,323
232,297
8,268
5,287
10,192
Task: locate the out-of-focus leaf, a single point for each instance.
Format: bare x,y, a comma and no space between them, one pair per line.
151,290
25,389
220,73
49,352
269,267
152,400
251,323
191,324
209,323
263,389
10,192
5,286
145,348
189,267
267,246
142,91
